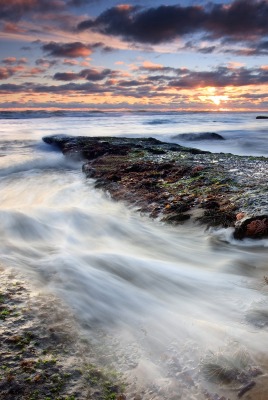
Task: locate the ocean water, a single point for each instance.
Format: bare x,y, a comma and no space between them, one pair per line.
158,303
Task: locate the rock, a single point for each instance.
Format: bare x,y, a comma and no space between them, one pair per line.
199,136
210,204
167,179
252,228
175,219
246,388
261,117
240,216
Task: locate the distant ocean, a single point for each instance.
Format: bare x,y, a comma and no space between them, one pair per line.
154,299
243,134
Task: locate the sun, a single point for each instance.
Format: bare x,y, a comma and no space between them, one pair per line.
216,99
211,97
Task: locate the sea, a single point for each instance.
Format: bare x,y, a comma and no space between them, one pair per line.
170,308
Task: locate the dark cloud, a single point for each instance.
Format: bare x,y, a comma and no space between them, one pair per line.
149,86
207,49
162,69
79,3
260,49
75,49
240,19
13,10
132,83
153,25
86,88
221,77
88,74
66,76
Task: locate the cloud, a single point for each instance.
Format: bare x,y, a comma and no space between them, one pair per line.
70,62
153,25
259,49
72,50
14,61
13,28
87,88
152,66
14,10
45,63
87,74
33,72
240,19
221,77
7,72
151,86
207,49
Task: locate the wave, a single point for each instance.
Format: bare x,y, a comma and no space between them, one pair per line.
159,122
226,235
55,162
32,114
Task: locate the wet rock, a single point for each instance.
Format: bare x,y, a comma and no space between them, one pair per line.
199,136
246,388
176,218
215,217
179,207
253,228
210,204
167,179
262,117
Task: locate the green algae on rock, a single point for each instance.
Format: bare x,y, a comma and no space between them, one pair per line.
42,355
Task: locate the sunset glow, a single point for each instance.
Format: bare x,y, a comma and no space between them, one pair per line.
177,56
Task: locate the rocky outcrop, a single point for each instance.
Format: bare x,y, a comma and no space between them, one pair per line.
252,228
262,117
176,183
90,148
199,136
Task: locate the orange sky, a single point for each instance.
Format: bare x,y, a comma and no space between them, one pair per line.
179,56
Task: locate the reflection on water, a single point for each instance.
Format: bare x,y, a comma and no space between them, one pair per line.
161,304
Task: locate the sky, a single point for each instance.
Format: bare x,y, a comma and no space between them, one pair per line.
139,55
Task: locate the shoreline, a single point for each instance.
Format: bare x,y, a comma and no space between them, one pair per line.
176,183
43,356
45,350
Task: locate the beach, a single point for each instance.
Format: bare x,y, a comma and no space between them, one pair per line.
158,302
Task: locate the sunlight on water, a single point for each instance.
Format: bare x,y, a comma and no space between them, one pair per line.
156,301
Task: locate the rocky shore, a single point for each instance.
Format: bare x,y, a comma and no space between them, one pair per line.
176,183
42,354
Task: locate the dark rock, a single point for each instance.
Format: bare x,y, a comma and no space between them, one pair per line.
261,117
246,388
253,228
211,204
156,151
131,170
179,207
215,217
176,218
199,136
